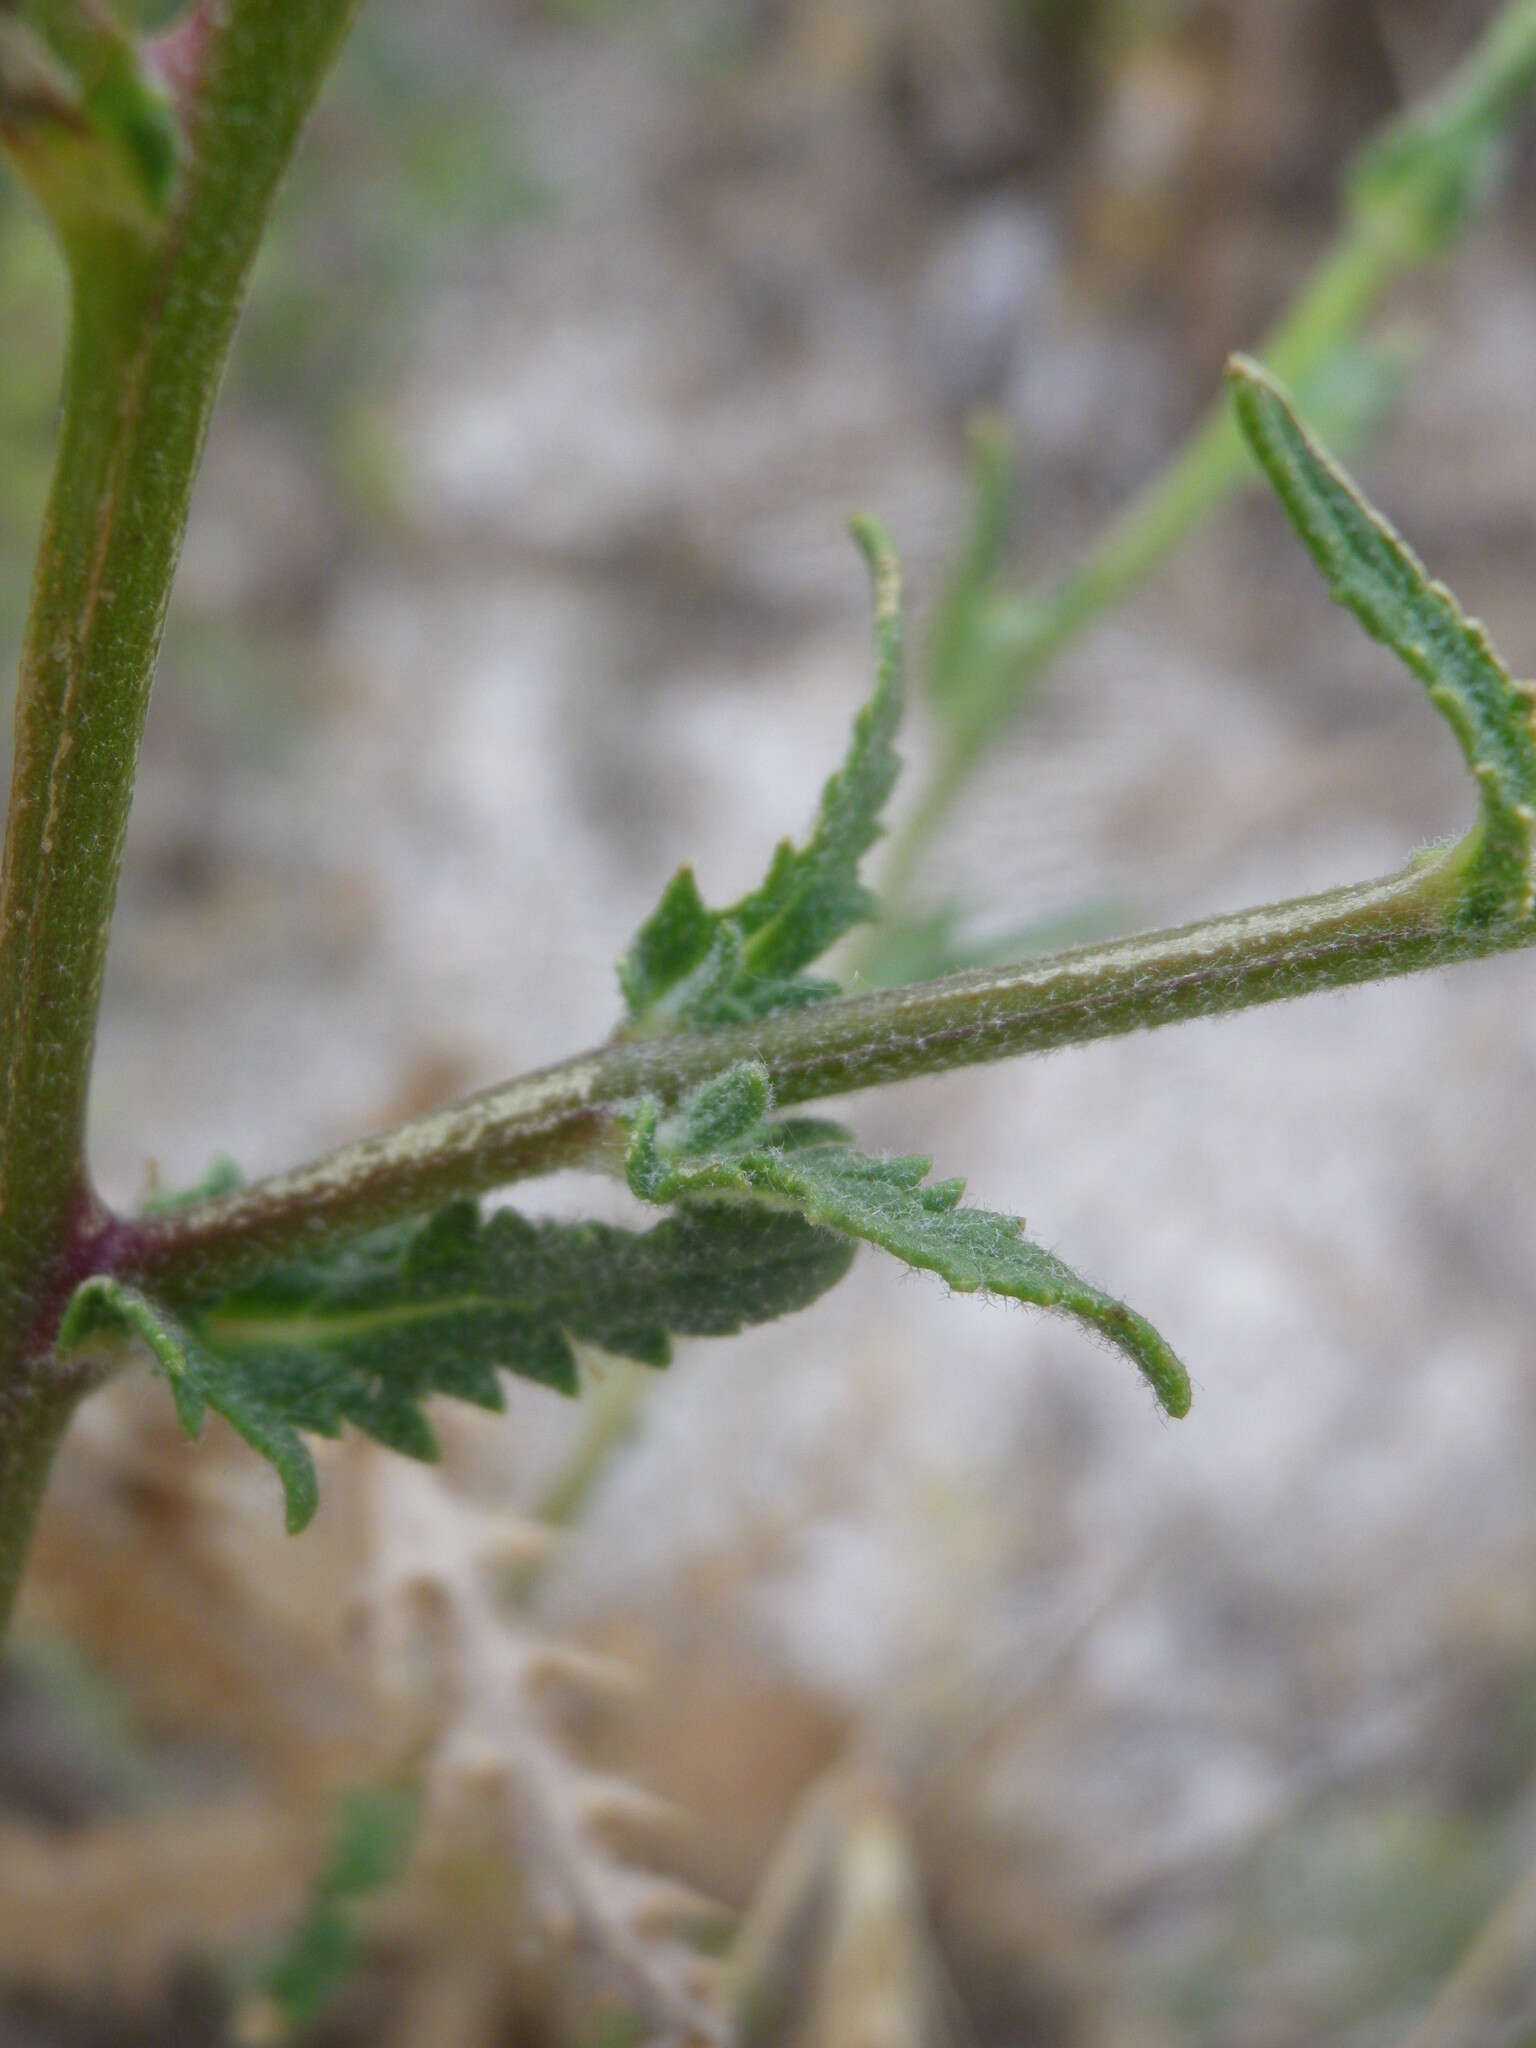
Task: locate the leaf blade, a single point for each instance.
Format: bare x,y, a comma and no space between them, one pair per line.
890,1203
368,1334
692,966
1372,571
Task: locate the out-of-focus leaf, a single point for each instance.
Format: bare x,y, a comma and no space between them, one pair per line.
721,1142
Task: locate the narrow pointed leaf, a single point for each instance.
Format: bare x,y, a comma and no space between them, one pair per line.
886,1202
1372,571
690,965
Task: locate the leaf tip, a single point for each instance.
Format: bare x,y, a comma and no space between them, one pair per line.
874,544
1253,390
301,1496
1172,1387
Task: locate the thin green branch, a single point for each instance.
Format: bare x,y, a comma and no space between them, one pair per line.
689,1101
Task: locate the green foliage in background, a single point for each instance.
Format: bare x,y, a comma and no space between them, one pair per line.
375,1828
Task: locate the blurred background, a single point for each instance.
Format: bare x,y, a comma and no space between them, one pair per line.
985,1706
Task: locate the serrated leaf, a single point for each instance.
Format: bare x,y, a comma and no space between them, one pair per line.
1371,570
690,965
367,1334
107,1309
886,1202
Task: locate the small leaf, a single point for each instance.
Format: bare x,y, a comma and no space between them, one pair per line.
1372,571
690,965
886,1202
367,1334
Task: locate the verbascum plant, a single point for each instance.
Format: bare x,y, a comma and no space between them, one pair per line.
351,1290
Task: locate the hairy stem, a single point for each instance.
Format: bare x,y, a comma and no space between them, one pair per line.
154,306
34,1414
567,1114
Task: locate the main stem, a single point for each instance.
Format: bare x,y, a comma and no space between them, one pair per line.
153,314
568,1115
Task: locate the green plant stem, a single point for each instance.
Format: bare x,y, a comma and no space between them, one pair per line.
1405,203
1211,463
569,1115
34,1413
154,307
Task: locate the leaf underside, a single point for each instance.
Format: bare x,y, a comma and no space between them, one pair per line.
722,1143
1372,571
367,1334
690,965
972,648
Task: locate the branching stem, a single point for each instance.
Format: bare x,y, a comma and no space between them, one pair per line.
566,1115
1407,195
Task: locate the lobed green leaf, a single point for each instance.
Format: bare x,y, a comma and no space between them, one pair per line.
720,1143
366,1334
1373,572
690,965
